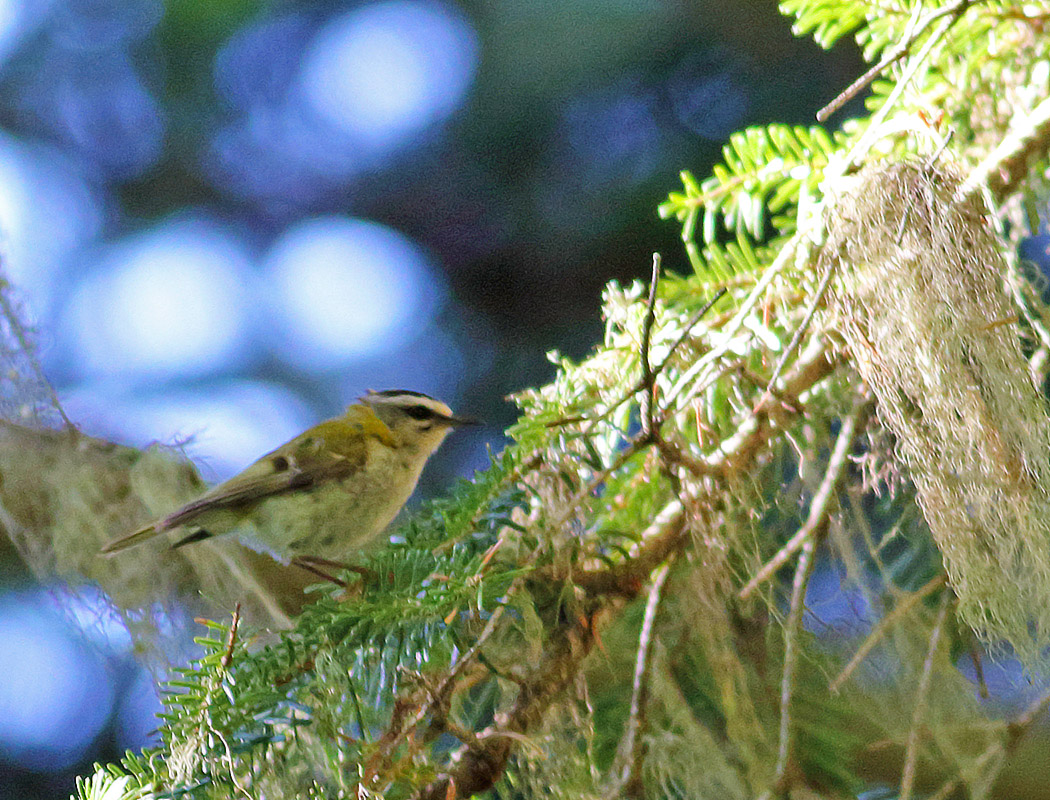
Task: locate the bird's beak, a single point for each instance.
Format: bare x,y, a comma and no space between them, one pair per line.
457,421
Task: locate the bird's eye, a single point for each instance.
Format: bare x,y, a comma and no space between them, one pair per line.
419,412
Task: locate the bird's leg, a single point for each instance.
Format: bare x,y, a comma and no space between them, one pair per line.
315,564
305,562
317,561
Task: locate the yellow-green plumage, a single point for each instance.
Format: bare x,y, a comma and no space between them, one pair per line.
326,493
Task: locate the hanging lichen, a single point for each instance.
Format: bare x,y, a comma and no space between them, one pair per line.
922,305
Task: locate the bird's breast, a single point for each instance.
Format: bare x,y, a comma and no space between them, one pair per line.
338,518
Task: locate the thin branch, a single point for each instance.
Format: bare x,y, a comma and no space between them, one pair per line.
476,766
784,257
891,57
634,445
671,453
640,384
205,727
401,727
664,537
811,367
978,671
947,790
901,610
231,638
800,331
820,507
668,531
1007,164
648,381
638,442
1020,726
792,630
1016,730
911,34
688,329
873,131
911,752
631,751
647,386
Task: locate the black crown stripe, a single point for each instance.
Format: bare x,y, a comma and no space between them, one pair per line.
397,392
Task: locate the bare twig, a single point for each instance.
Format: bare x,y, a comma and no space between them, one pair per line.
1015,731
811,367
800,331
642,382
688,329
478,765
1020,726
647,404
651,421
1008,163
468,657
874,129
205,726
899,611
631,752
648,381
401,727
792,630
784,257
635,444
736,453
947,790
663,538
231,638
648,435
912,32
911,752
978,671
820,507
646,385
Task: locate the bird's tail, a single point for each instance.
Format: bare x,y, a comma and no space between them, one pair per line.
132,539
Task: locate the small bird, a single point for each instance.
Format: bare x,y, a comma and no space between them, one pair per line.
328,492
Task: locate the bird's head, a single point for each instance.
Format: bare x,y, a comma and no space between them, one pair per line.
418,422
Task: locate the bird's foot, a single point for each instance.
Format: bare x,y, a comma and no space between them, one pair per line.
320,567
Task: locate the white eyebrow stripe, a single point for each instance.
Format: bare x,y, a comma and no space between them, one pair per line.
405,400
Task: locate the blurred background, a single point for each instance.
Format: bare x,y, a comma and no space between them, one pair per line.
226,219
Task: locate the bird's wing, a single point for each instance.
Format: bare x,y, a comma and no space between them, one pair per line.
266,477
333,450
239,492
